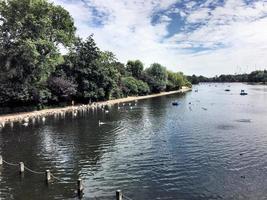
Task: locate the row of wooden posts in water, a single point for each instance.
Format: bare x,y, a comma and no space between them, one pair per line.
49,176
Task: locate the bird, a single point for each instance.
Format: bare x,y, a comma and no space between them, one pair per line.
43,119
100,123
25,124
26,119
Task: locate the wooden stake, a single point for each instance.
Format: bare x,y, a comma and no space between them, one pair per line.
21,167
80,187
118,195
47,176
1,160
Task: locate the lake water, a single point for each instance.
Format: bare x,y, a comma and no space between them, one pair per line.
212,146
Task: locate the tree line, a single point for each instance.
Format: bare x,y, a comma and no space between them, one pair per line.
33,72
258,76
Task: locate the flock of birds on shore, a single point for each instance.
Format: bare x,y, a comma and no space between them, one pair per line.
31,118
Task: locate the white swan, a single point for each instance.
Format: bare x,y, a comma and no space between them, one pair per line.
25,124
100,123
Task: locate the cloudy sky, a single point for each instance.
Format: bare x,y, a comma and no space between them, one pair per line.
205,37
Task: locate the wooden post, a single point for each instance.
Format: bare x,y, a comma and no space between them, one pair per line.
47,176
21,167
1,160
118,195
79,187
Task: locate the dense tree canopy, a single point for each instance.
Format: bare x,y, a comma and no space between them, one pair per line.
156,76
255,76
30,32
132,86
175,81
135,68
33,72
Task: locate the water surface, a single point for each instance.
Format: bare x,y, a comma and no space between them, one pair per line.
212,146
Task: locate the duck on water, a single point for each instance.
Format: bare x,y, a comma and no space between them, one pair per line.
175,103
242,93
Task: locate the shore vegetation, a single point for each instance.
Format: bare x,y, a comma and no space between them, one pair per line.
34,73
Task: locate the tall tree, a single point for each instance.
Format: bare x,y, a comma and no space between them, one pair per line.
30,34
156,77
175,81
94,72
135,68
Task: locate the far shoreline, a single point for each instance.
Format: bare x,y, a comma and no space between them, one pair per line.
32,115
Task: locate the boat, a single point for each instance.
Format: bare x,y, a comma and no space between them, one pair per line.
243,93
227,90
175,103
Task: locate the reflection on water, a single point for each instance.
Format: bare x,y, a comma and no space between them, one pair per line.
212,146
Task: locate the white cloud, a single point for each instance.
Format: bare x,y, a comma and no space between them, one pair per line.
234,34
198,15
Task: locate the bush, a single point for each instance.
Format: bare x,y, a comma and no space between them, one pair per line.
132,86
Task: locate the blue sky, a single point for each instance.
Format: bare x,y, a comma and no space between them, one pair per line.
207,37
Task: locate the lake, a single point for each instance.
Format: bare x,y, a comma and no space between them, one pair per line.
213,145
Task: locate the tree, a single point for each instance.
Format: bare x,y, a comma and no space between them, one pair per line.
62,88
156,77
30,33
132,86
135,68
110,75
175,81
94,72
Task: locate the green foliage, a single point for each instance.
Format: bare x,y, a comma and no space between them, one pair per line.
94,71
255,77
175,81
62,89
132,86
156,77
34,73
30,32
135,68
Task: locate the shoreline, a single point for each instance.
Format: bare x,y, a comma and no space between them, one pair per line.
32,115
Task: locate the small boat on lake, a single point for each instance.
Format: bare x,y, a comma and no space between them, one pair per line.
243,93
227,90
175,103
